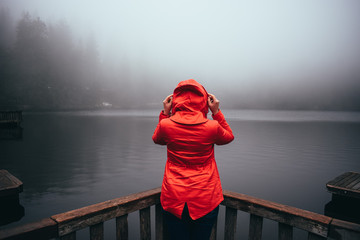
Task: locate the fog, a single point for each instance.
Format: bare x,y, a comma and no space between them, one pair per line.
273,54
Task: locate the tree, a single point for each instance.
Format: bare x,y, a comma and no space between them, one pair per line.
42,68
6,29
63,68
6,38
31,61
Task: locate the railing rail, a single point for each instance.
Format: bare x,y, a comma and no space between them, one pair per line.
65,225
318,226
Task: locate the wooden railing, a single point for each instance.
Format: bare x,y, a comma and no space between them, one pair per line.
65,225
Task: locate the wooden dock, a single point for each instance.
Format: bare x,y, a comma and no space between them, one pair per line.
10,208
10,117
10,186
345,185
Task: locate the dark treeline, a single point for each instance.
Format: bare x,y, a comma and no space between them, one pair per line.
42,66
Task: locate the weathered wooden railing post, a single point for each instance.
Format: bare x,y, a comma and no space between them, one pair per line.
255,227
312,236
145,226
97,231
285,231
122,228
70,236
230,223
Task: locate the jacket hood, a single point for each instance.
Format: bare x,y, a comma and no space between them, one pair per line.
189,104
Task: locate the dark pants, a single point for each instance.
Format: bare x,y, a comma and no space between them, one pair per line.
186,228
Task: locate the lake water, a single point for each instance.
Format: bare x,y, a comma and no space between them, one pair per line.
68,160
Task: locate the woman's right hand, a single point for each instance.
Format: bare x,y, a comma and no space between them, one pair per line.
213,103
167,104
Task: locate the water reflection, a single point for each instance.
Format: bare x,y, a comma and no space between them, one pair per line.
11,211
11,133
343,208
73,159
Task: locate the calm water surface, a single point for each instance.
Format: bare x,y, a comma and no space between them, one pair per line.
68,160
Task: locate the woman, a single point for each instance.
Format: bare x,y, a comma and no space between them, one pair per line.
191,189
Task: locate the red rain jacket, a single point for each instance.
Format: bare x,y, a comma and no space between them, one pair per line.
191,175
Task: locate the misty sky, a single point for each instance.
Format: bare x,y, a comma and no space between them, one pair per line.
223,44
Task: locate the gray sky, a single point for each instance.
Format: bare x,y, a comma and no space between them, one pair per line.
223,44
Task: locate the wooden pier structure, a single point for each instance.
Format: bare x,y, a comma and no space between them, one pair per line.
10,187
345,199
13,118
64,226
345,185
10,208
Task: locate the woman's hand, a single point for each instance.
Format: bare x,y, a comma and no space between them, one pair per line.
213,103
167,104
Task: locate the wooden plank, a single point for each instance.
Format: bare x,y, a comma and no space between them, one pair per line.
145,225
84,217
230,223
97,231
285,232
43,229
9,184
255,227
159,222
312,236
122,228
69,236
306,220
354,182
339,179
357,186
348,180
348,175
345,179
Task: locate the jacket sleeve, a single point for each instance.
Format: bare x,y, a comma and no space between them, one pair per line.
158,137
224,132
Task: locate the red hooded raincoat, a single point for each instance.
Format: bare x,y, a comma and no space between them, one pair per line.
191,175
